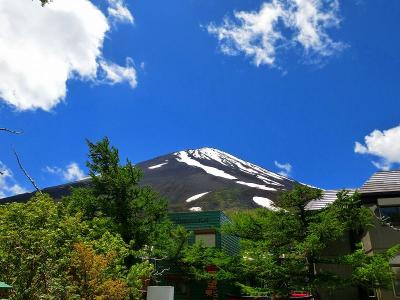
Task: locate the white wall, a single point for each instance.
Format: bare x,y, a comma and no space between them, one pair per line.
160,293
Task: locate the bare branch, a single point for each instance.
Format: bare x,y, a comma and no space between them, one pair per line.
385,222
26,173
157,274
10,130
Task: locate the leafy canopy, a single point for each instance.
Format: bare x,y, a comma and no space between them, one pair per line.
100,242
290,248
44,2
39,243
137,211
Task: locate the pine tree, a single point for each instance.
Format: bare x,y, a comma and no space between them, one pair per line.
138,211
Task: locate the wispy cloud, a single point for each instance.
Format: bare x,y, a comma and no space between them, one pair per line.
280,25
113,73
119,12
44,47
71,172
285,168
8,184
385,145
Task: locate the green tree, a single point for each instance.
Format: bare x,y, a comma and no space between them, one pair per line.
118,203
283,250
35,242
109,238
138,211
44,2
39,252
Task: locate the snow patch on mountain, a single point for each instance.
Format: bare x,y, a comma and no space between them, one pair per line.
233,162
183,156
158,166
269,181
257,186
195,197
195,208
265,202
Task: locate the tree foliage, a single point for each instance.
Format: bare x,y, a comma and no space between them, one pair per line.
34,245
101,242
90,275
137,211
288,249
44,2
39,244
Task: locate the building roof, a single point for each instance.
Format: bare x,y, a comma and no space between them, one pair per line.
328,197
4,285
382,182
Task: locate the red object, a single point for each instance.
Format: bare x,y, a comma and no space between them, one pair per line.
300,295
247,298
211,269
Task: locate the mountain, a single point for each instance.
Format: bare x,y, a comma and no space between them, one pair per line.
201,179
210,179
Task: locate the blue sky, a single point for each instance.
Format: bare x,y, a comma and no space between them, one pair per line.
177,88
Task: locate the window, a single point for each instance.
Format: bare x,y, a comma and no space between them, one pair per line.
396,283
206,238
391,213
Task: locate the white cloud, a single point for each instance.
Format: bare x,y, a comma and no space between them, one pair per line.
285,169
114,73
41,48
382,165
8,185
71,172
280,25
119,12
383,144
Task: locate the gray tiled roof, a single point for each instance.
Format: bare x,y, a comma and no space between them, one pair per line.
381,182
328,197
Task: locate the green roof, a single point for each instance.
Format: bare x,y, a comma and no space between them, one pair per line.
4,285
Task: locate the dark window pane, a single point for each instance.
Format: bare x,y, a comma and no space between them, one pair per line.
397,288
396,283
392,213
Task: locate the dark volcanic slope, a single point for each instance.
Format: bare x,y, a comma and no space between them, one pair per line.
202,179
210,179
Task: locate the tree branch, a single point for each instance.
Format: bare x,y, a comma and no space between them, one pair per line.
26,173
10,130
157,274
385,222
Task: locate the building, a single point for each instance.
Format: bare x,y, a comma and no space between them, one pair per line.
204,227
381,193
4,290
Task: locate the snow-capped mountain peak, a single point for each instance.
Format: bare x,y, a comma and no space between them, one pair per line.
208,178
204,179
209,158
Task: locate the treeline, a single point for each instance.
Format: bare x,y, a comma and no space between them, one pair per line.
112,239
97,243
